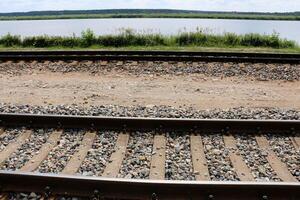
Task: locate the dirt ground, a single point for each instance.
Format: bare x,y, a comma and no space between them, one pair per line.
44,88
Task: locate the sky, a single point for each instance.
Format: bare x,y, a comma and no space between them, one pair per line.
205,5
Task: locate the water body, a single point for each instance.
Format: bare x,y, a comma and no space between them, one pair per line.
286,29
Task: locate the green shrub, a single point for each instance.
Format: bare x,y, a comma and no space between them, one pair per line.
10,40
231,39
88,38
42,41
130,38
273,41
252,39
28,42
197,38
69,42
288,44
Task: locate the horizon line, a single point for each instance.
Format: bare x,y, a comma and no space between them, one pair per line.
163,9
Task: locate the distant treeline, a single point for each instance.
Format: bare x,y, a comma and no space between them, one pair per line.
129,38
140,11
147,13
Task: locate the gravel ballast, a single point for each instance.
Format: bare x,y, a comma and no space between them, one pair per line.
255,158
156,111
217,157
138,156
178,163
11,135
61,154
25,196
30,148
284,149
259,71
98,156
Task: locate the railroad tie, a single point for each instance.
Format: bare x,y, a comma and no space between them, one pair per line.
13,146
165,64
51,197
9,62
113,167
242,170
279,167
198,159
150,63
120,63
157,169
134,63
103,63
74,63
195,64
34,163
1,131
4,196
76,160
46,62
180,64
296,142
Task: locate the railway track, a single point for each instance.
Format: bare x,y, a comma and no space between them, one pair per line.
148,56
144,158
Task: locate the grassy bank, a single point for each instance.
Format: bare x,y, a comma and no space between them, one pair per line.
146,13
128,38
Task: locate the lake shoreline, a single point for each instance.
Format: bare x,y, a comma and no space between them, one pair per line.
140,13
71,27
145,17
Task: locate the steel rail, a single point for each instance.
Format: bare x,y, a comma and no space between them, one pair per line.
106,188
177,53
100,122
149,56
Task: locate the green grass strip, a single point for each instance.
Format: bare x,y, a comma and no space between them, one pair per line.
129,38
